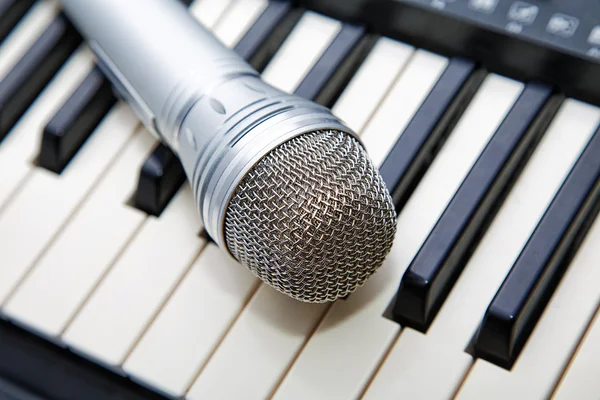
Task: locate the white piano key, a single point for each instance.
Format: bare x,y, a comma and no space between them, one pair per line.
16,44
25,33
103,226
300,51
46,200
163,342
254,355
553,340
372,81
134,290
20,147
580,380
417,360
402,102
269,316
208,12
192,323
408,366
10,179
216,288
238,19
366,334
84,250
540,365
21,242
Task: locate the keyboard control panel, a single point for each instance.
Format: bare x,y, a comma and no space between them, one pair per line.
551,41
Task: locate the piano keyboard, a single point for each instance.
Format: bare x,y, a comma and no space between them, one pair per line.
110,288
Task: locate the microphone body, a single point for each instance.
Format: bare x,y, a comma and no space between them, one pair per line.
280,183
197,96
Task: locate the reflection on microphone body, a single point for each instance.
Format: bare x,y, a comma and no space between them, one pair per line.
280,183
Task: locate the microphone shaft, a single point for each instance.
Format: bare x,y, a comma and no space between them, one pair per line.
158,57
199,97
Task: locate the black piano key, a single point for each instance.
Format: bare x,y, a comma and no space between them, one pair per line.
335,67
75,121
34,70
415,149
11,12
514,311
160,177
433,271
11,391
51,371
267,33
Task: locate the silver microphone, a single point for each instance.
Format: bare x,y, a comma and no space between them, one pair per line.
281,184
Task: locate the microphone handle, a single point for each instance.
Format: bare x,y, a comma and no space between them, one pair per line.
157,56
199,97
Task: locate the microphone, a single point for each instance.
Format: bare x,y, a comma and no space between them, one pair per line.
280,183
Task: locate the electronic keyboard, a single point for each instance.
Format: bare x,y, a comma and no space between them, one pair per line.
483,117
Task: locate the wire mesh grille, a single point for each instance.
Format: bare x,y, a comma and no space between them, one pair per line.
313,218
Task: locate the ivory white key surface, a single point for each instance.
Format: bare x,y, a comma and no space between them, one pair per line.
403,101
10,180
120,309
21,241
46,200
238,19
113,222
192,323
417,360
255,354
372,81
580,380
25,33
163,342
268,319
21,144
551,344
13,48
354,335
300,51
208,12
212,294
85,249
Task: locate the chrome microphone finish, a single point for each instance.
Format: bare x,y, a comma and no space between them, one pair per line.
214,111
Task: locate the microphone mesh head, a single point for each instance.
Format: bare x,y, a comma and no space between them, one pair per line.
313,218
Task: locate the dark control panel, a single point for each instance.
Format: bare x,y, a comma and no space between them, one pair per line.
553,41
569,25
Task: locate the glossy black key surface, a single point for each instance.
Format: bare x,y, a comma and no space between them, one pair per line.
267,33
415,149
11,12
433,271
517,306
160,177
35,69
326,79
45,369
75,121
11,391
